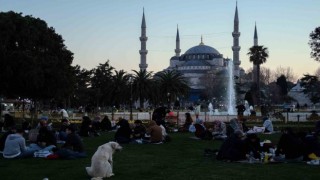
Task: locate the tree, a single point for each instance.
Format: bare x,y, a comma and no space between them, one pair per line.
258,55
275,93
312,86
142,85
172,84
101,83
83,93
287,72
265,75
120,90
314,44
34,62
282,83
214,85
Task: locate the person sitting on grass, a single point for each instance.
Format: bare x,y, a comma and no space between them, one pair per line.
200,131
155,133
267,123
233,148
15,146
73,147
46,139
4,136
86,129
106,124
188,122
139,130
165,136
219,130
235,125
123,133
289,148
252,146
62,131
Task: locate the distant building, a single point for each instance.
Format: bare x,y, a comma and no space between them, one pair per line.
202,60
297,93
199,60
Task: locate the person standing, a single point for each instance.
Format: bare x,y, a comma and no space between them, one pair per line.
63,113
197,110
240,109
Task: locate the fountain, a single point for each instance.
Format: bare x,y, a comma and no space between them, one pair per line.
231,90
230,96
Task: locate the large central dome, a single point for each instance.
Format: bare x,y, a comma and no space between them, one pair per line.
202,49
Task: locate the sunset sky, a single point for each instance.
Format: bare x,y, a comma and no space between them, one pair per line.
98,30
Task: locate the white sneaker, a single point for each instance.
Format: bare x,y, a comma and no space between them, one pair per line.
314,162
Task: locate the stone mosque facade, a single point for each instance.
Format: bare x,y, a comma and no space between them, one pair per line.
198,60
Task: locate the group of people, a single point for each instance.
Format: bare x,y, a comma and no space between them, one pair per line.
291,147
219,129
155,132
43,141
239,143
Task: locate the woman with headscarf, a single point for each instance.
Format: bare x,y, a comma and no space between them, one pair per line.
124,132
187,122
235,125
219,130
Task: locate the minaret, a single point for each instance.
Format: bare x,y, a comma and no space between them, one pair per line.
177,50
236,47
255,43
255,37
143,52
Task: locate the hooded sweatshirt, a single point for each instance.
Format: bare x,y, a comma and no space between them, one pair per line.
15,144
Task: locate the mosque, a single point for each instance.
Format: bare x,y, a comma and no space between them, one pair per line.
199,60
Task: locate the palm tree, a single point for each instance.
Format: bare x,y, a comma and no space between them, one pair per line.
119,89
142,82
258,55
172,84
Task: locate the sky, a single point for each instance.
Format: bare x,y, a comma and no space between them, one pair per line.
100,30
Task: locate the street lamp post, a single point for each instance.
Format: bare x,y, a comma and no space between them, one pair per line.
130,81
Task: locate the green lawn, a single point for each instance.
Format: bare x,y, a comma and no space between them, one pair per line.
182,158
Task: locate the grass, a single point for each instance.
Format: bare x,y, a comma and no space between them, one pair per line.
182,158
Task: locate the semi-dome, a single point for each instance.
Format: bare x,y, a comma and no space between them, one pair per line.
202,49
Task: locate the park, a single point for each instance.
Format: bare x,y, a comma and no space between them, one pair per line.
52,82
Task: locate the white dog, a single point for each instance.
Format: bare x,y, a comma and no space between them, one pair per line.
101,161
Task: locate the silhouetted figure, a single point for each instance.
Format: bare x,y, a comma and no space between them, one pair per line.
8,121
106,124
123,132
240,109
233,148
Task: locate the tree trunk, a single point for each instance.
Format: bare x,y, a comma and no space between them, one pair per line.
258,84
